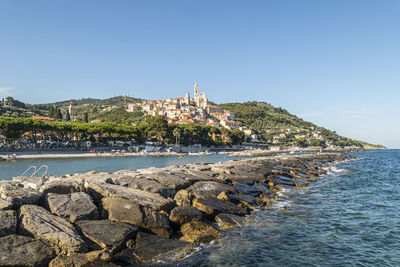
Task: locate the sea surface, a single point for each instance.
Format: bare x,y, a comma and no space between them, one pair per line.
350,217
9,169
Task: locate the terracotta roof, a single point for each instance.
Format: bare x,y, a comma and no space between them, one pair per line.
43,118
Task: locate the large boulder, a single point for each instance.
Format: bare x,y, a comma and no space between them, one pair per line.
5,205
38,222
248,190
29,182
63,186
211,188
104,234
152,248
169,180
18,195
8,222
212,206
198,232
17,250
185,214
75,206
183,197
227,221
138,182
124,210
143,198
91,259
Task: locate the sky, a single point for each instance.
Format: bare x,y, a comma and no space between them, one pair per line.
334,63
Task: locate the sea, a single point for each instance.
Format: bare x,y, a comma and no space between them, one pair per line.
349,217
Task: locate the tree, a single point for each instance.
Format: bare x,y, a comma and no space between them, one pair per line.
10,101
68,117
86,118
51,111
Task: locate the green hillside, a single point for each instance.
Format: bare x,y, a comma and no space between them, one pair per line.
274,125
271,122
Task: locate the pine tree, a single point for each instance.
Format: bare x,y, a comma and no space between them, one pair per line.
51,112
86,119
68,118
58,115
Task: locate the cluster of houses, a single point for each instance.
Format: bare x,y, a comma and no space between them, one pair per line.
191,110
280,135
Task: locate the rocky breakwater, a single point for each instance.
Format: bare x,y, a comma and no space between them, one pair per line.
140,216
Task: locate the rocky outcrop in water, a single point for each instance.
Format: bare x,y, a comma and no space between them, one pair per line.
132,217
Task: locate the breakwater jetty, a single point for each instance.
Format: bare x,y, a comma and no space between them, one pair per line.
140,216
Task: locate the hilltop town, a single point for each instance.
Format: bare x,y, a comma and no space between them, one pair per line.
256,121
183,110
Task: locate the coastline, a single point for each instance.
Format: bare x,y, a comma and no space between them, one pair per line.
177,207
80,154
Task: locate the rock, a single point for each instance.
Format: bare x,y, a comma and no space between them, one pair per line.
126,257
8,222
198,232
169,180
143,198
17,250
227,221
185,214
124,210
246,200
223,196
79,259
183,197
28,182
75,206
104,234
157,223
212,206
38,222
63,186
211,188
19,196
248,190
137,182
151,248
5,205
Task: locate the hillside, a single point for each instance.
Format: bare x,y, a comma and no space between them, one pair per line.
278,126
274,125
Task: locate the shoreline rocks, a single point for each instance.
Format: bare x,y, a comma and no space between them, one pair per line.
142,216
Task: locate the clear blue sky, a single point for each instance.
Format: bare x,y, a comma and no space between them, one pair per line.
335,63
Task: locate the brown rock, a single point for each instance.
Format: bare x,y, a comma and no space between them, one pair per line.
75,206
79,260
18,196
152,248
143,198
227,221
8,222
185,214
212,206
38,222
5,205
198,232
17,250
183,197
124,210
105,234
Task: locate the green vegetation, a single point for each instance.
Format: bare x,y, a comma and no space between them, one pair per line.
153,129
270,121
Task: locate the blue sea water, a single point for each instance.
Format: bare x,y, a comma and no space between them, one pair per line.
9,169
350,217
